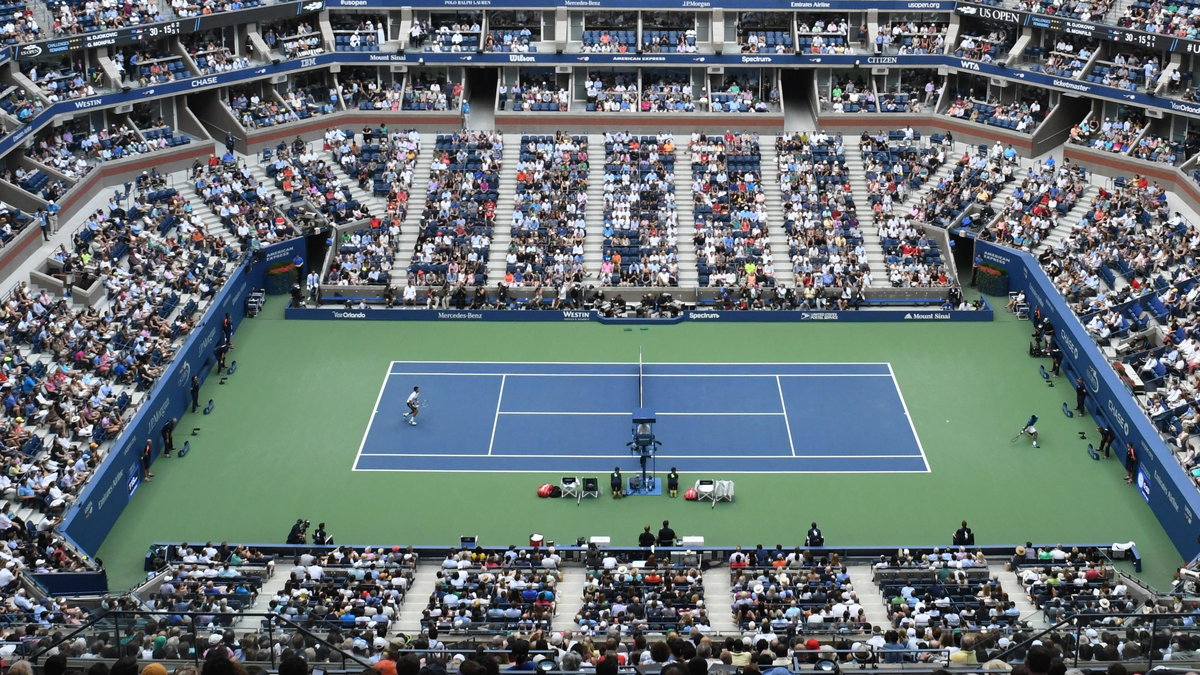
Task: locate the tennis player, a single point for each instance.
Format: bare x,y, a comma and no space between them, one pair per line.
414,403
1030,429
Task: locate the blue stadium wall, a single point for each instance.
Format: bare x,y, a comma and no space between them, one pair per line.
108,493
1170,493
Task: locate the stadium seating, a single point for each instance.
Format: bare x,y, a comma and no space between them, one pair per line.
731,229
641,219
548,227
459,216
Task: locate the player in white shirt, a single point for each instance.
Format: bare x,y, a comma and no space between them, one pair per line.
413,403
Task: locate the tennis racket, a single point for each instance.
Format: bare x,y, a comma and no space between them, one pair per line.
421,403
1018,436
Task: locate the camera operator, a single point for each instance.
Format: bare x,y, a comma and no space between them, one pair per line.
299,532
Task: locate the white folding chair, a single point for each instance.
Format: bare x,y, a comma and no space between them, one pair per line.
569,486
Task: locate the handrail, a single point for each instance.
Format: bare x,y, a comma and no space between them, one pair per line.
1079,623
130,619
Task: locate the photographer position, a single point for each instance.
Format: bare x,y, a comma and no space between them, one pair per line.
299,532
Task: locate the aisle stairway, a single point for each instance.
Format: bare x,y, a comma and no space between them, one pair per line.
593,246
502,233
689,274
1068,222
777,235
410,228
857,170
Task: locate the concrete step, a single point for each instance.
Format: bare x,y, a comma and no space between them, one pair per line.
776,235
417,598
869,596
502,236
569,599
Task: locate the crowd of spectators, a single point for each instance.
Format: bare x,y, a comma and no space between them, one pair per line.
301,173
517,40
852,95
765,32
461,32
67,81
74,154
1127,71
974,180
306,101
1083,10
254,111
541,95
911,37
459,216
792,592
895,167
190,8
741,94
1066,59
910,257
1119,135
363,34
680,39
819,215
21,105
649,596
20,27
611,92
983,47
294,39
244,203
513,590
212,56
668,94
641,218
1048,191
425,93
731,233
1178,20
384,164
548,226
79,16
1023,115
358,592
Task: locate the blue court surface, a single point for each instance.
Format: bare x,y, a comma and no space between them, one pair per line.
577,418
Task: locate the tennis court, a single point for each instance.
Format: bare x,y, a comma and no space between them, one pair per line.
577,417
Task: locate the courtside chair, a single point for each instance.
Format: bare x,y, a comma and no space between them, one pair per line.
591,488
569,486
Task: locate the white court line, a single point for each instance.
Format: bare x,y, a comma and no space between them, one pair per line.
722,472
661,363
661,414
367,432
786,423
911,426
610,456
496,417
741,375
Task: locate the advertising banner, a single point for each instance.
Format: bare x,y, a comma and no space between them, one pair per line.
94,513
1165,485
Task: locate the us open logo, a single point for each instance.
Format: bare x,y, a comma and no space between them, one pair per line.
185,374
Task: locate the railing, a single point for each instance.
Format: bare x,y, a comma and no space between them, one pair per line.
1078,625
129,623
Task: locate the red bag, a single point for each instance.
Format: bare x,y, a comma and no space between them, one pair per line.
691,495
545,490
